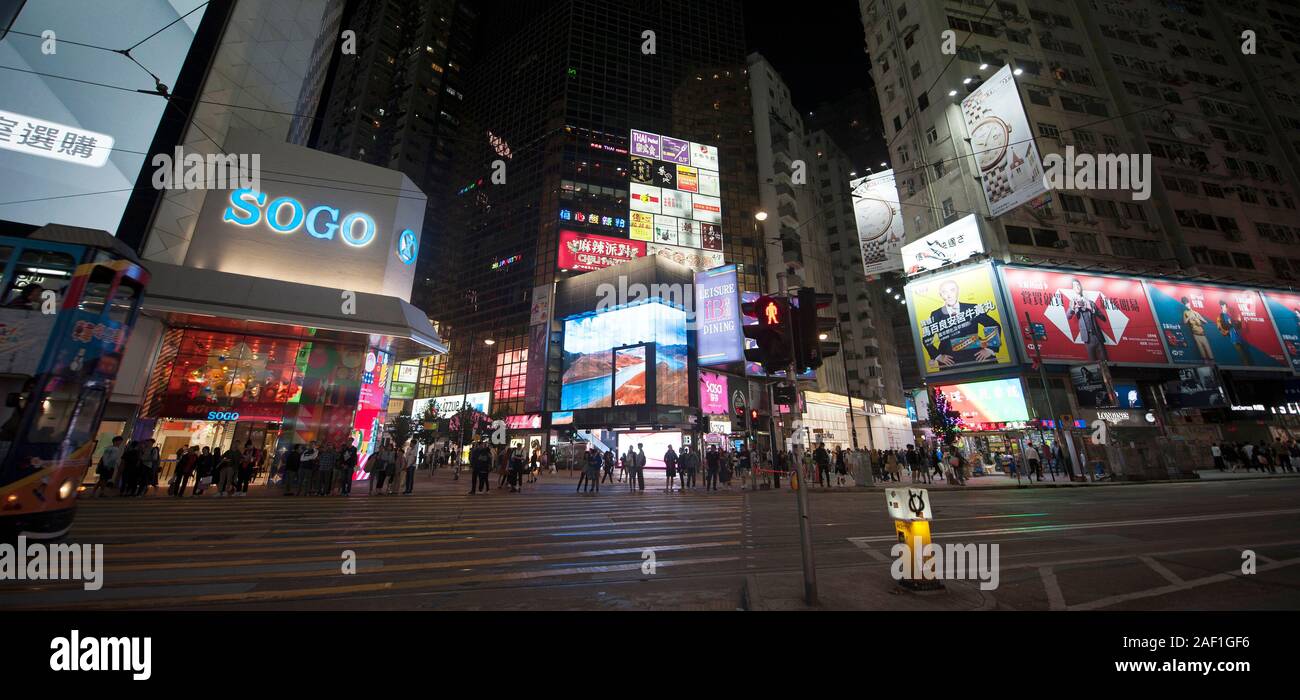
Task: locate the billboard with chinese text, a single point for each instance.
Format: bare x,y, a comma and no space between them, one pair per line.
1216,325
1078,312
958,320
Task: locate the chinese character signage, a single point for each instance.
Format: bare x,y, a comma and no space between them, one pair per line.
1006,157
586,252
713,394
949,245
46,139
879,222
958,320
717,317
1216,325
1080,312
697,260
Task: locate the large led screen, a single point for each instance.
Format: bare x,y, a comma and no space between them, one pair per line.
982,403
655,446
589,341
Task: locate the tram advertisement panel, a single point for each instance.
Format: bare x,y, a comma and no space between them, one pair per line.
1081,312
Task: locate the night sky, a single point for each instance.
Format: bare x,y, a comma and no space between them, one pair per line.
819,52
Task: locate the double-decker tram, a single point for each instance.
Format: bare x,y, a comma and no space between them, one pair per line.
68,300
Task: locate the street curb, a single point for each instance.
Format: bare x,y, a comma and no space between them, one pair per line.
1049,485
749,598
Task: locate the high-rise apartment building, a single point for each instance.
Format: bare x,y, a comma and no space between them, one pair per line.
1105,76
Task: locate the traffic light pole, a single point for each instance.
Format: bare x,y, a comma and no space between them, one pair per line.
801,492
1047,391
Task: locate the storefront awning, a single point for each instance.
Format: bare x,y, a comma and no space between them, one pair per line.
208,298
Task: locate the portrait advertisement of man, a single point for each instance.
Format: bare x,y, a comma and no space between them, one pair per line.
961,332
1089,314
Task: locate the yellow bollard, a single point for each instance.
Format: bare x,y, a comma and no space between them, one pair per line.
911,511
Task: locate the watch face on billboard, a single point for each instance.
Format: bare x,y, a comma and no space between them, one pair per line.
676,203
707,209
704,157
646,198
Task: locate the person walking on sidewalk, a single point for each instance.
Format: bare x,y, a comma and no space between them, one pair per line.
1033,459
687,466
410,458
640,466
204,470
292,471
228,466
841,467
186,458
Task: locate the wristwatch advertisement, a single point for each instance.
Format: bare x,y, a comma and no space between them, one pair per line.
1002,144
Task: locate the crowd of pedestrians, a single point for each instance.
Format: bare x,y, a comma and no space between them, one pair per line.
1267,457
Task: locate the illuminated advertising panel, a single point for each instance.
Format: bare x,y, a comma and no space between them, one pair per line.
713,394
630,376
675,203
1285,309
643,225
950,245
958,320
697,260
448,406
1009,168
1216,325
645,198
675,182
588,378
879,222
985,404
719,337
584,251
655,446
1079,312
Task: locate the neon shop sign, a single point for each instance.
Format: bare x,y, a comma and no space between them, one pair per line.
285,215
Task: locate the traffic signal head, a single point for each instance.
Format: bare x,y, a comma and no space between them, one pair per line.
771,333
810,351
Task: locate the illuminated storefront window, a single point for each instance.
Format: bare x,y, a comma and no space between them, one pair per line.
511,373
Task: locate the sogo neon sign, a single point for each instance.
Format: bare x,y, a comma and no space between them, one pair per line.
246,210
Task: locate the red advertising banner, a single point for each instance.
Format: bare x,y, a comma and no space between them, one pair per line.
587,252
1079,312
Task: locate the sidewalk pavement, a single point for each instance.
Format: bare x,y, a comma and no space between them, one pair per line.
1002,481
859,587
